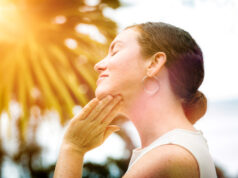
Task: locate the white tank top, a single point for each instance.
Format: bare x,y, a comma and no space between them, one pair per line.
191,140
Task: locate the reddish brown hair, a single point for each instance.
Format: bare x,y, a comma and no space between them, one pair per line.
184,63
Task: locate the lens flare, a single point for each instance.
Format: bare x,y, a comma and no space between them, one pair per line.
40,51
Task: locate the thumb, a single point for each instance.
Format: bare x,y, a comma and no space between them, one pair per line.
110,129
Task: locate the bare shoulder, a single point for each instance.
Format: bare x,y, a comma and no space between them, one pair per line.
166,161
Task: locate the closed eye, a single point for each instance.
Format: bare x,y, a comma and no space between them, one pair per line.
114,53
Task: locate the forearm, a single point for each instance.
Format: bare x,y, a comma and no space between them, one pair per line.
69,163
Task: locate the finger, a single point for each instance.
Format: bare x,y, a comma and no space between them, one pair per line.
96,111
87,109
103,116
110,129
107,110
113,114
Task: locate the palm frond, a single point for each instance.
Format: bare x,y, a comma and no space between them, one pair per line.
34,56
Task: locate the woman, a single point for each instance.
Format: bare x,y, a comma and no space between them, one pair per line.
151,75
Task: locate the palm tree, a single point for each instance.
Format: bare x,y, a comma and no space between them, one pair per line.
46,57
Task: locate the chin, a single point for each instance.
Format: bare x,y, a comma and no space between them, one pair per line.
101,92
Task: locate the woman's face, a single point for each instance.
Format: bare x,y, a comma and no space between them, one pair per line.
124,67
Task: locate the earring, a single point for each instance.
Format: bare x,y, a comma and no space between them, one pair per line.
152,88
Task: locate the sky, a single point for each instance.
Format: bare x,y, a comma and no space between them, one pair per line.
212,23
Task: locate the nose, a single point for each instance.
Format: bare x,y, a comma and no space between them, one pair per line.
100,66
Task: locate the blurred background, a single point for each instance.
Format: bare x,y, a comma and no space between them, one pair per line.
47,52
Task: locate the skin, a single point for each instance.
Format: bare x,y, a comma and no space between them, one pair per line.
152,115
87,130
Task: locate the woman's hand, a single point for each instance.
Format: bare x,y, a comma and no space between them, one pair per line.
90,128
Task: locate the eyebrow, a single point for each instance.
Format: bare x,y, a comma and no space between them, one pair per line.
113,44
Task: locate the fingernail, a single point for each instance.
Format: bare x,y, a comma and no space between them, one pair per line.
117,130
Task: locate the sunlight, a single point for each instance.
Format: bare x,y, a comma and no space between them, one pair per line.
26,37
71,43
9,22
60,19
92,31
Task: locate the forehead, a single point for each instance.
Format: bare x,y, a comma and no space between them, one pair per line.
127,36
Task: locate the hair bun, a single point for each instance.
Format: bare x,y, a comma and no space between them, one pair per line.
196,107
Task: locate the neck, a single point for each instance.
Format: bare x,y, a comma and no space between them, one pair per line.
155,115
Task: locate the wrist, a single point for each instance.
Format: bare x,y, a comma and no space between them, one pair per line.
67,147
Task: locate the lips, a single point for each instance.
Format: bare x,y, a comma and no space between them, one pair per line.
101,77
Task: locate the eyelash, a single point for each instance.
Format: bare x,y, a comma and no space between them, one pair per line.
114,53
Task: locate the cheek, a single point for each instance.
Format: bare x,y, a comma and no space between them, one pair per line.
125,61
125,70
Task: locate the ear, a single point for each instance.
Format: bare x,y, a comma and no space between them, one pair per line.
156,63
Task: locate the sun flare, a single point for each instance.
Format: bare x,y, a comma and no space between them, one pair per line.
42,50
